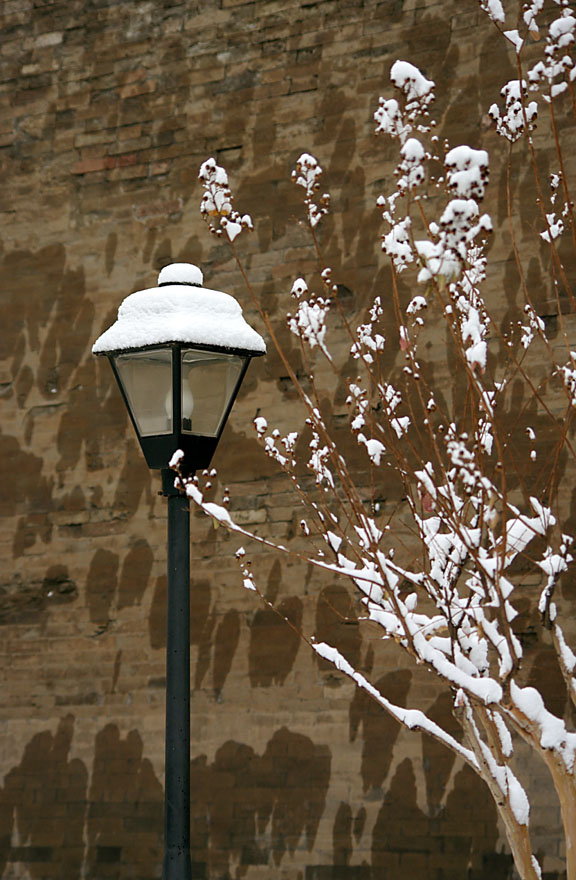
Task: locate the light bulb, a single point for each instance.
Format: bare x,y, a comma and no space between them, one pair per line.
187,402
187,407
168,403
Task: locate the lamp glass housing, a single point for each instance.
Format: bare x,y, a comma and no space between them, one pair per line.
146,377
179,397
209,380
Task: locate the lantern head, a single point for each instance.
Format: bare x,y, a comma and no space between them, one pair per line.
179,353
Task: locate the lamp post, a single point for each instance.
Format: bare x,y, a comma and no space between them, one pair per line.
179,353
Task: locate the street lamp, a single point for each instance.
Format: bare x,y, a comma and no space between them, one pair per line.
179,353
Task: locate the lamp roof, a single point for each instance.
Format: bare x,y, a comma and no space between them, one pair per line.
179,310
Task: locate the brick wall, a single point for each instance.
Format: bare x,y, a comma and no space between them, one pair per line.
108,109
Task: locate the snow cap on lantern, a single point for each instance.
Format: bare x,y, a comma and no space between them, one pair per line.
180,310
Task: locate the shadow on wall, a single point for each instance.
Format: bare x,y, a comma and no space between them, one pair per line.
247,808
54,825
273,646
460,841
51,375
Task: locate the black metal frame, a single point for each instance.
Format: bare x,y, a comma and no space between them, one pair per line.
159,448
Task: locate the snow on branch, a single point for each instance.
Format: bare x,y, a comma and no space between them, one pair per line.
307,174
550,729
309,322
217,202
501,774
519,116
413,719
494,9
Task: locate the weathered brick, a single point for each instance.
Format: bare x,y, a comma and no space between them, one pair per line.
87,166
48,39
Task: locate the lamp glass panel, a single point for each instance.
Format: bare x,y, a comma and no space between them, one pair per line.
146,377
209,382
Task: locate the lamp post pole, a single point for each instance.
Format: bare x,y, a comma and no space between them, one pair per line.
177,864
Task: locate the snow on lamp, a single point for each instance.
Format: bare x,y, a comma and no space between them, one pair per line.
179,353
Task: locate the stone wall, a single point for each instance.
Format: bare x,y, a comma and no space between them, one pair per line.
108,109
